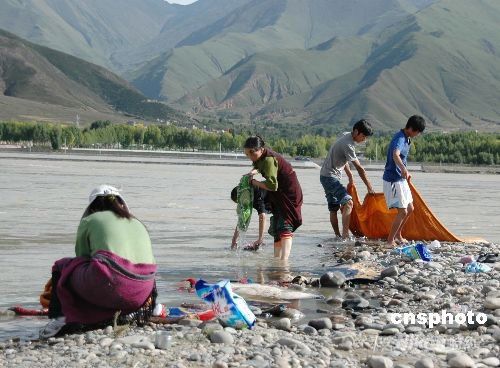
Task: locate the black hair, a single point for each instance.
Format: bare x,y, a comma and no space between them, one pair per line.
109,203
416,123
234,194
364,127
254,143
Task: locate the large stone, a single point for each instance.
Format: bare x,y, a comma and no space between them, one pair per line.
390,331
208,328
146,345
332,279
424,363
459,360
491,362
358,303
378,361
308,330
492,303
390,271
496,335
321,323
294,344
283,324
221,337
220,364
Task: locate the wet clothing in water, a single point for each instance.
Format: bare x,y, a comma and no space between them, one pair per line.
284,195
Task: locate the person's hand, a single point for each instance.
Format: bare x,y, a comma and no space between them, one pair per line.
258,243
405,174
370,190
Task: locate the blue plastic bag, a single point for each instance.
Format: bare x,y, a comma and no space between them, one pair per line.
418,251
475,267
231,309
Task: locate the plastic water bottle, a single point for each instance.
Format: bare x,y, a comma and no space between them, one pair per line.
163,339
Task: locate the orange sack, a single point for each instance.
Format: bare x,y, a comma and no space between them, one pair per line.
373,219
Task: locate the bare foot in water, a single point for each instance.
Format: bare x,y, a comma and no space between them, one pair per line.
400,241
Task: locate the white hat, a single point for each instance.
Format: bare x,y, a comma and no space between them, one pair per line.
103,190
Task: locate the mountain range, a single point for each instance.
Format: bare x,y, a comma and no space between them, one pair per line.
314,61
34,76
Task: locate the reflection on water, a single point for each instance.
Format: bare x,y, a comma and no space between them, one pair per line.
191,219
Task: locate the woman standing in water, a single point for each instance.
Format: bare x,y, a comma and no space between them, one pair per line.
284,193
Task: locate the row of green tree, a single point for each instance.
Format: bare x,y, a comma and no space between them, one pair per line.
460,147
107,135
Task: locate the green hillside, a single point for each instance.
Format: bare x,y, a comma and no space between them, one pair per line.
441,63
92,29
310,61
259,26
41,74
270,76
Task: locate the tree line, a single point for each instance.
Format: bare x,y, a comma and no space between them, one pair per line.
459,147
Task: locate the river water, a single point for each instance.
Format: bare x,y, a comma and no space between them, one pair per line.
190,218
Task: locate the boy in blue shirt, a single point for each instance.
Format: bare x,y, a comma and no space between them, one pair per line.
396,190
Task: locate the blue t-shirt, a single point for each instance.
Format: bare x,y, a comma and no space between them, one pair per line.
401,142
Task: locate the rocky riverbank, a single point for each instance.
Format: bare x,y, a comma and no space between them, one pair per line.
357,329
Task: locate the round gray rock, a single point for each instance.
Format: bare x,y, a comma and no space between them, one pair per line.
424,363
332,279
221,337
460,360
321,323
378,361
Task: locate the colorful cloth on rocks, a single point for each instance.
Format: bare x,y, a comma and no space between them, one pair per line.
92,289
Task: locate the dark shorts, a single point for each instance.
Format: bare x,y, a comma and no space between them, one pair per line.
279,228
335,193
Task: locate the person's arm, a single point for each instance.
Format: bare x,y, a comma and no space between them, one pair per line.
348,172
362,175
397,159
259,184
234,241
262,225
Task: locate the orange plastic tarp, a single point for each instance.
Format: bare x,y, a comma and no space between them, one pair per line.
373,219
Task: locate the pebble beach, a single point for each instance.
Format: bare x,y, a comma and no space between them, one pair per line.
355,330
